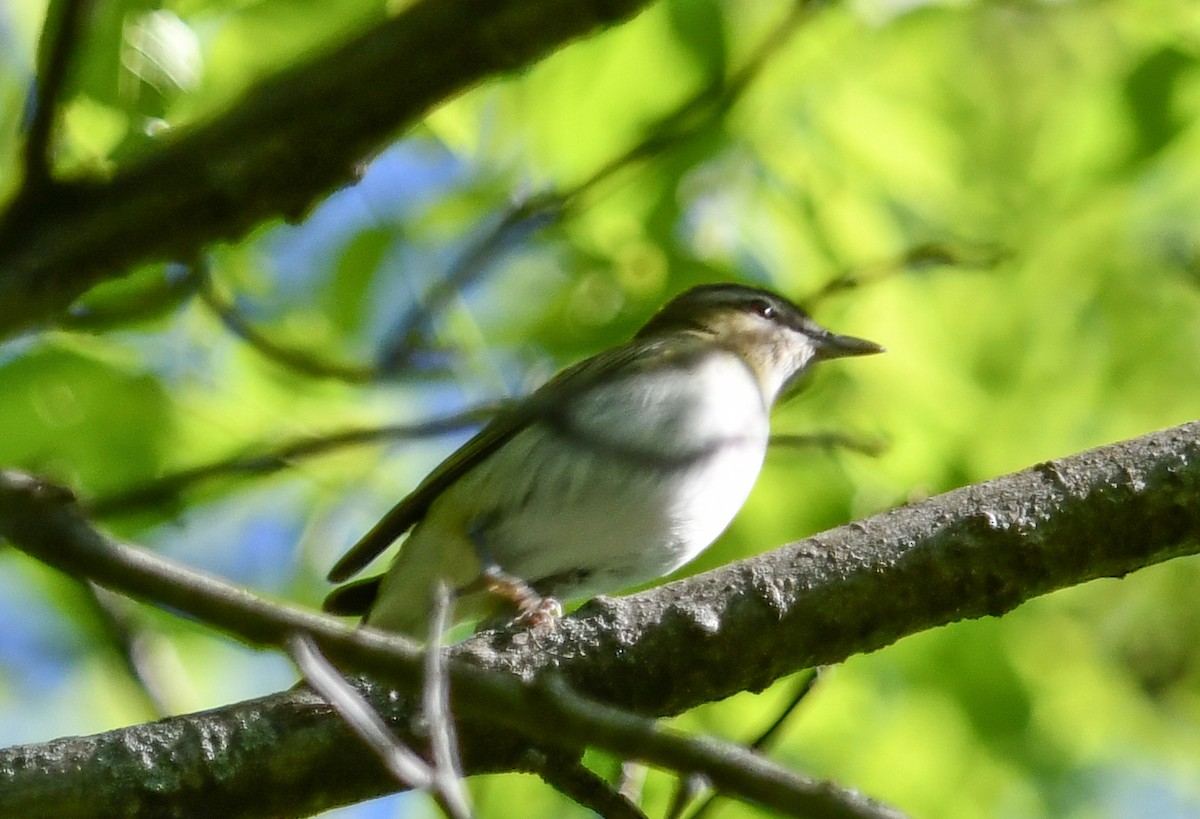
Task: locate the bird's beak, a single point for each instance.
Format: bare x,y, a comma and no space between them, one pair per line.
832,345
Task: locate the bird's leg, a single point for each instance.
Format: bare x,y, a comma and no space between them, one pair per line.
532,608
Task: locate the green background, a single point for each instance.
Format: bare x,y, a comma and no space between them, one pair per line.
1013,185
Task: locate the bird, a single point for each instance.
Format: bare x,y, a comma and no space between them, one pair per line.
617,471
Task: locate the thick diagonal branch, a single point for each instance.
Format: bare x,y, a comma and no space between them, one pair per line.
977,551
43,520
291,140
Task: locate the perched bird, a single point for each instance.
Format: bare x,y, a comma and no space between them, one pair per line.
618,470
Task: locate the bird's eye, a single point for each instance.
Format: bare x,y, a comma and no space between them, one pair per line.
764,308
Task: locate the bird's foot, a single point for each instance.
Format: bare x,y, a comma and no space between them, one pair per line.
540,614
533,610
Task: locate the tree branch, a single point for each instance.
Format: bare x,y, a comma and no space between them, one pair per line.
406,765
296,360
531,214
571,778
43,521
60,37
171,487
972,552
289,141
761,742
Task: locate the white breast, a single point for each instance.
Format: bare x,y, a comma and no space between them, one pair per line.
637,478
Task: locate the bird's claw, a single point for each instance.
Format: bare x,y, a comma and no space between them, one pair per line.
538,613
533,610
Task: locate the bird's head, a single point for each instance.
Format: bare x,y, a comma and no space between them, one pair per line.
777,339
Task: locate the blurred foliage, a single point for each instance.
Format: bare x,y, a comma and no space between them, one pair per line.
1049,148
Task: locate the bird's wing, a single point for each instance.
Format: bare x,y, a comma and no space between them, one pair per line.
547,399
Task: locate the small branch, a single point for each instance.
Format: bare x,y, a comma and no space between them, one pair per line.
293,359
732,769
759,743
631,780
408,767
687,789
571,778
121,634
829,441
60,36
702,108
408,334
404,764
290,140
767,737
443,778
169,488
977,551
918,259
443,743
41,520
534,213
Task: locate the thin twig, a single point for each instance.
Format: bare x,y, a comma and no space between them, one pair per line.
573,779
292,138
989,547
403,763
687,789
700,754
768,735
705,106
293,359
407,336
60,36
531,214
40,519
168,488
917,259
829,441
631,780
443,741
110,611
